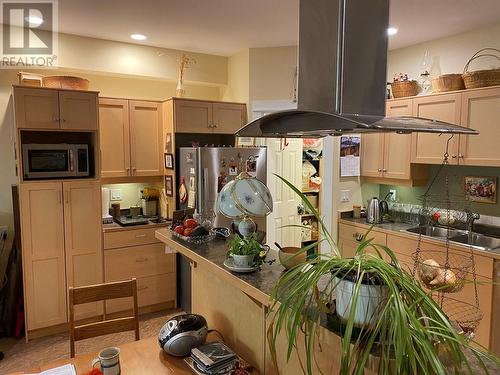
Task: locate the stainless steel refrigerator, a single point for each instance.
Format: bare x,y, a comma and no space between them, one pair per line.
204,171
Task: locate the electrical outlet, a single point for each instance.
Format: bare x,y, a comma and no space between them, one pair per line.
345,195
116,194
393,195
3,232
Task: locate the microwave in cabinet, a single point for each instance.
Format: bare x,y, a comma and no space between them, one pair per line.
55,161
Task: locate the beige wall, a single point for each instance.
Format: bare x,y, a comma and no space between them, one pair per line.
238,78
114,69
449,55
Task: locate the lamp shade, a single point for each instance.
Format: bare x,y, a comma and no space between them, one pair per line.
244,196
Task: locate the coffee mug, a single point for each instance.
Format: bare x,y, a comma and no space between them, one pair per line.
109,361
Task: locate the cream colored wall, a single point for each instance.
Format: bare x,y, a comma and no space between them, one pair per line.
130,193
238,78
449,54
272,73
114,69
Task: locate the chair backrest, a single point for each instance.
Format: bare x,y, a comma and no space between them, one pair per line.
102,292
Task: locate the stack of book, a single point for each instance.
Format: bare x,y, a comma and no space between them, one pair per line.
213,358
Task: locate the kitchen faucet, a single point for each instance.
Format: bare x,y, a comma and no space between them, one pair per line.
470,221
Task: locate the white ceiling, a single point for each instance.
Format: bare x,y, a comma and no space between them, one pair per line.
226,26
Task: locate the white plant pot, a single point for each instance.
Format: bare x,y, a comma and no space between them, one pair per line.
370,300
243,260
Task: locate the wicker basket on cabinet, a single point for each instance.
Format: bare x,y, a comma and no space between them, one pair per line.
447,82
402,89
485,77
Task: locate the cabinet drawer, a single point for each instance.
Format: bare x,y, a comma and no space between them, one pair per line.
131,237
137,261
351,232
151,290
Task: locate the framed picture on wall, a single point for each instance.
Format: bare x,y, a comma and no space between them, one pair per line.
169,161
169,186
481,189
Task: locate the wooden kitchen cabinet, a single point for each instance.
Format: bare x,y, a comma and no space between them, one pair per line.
131,138
351,236
78,110
197,116
387,156
430,148
42,223
137,253
146,131
481,111
114,137
83,239
36,108
44,108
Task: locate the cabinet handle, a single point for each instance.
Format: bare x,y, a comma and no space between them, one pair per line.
384,170
380,169
144,287
454,156
63,120
140,235
60,196
214,125
358,236
460,156
141,260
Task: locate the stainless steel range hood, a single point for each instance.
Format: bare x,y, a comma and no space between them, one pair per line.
342,76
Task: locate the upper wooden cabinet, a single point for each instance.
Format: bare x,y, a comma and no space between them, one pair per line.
196,116
130,138
430,148
42,108
480,111
386,156
145,138
114,137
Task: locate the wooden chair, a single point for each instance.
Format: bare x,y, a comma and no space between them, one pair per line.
102,292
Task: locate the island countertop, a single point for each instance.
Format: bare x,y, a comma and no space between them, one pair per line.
257,285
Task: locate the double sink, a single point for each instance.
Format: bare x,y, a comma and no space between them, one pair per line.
475,240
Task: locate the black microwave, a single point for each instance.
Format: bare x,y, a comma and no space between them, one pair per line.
55,161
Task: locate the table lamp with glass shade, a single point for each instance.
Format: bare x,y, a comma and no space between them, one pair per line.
243,198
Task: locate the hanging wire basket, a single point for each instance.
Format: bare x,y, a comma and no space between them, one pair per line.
442,271
465,316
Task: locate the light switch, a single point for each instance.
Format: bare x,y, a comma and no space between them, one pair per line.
345,195
393,195
116,194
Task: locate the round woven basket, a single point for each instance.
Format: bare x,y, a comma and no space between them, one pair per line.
482,78
402,89
66,82
447,82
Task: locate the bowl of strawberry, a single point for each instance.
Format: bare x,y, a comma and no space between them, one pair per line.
191,231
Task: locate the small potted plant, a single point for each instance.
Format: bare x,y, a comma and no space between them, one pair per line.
246,251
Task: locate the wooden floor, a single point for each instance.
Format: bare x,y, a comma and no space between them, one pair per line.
20,355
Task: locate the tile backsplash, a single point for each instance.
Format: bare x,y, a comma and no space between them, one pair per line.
130,192
490,213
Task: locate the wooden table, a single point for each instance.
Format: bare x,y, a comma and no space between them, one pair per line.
143,357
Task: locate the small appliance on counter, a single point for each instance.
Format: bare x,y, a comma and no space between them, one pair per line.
106,217
127,221
182,333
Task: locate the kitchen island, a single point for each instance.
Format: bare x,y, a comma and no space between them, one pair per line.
239,306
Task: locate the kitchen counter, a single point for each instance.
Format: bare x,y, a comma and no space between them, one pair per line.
115,227
225,310
400,229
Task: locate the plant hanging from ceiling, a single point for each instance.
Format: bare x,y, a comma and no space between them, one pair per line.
184,63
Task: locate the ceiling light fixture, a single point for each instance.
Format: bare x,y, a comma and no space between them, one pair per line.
138,36
392,31
34,20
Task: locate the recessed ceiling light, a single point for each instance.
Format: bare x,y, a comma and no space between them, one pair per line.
138,36
34,20
392,31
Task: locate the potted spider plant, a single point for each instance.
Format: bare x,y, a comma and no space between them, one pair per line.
378,308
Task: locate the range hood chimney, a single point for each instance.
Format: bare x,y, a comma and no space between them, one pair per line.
342,76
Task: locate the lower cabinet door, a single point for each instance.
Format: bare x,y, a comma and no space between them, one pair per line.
83,237
42,228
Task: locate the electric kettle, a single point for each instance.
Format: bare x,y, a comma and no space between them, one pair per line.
373,211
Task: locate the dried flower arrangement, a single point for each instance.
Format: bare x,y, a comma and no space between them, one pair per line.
184,63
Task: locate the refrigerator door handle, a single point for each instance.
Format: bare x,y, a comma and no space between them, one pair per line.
205,188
